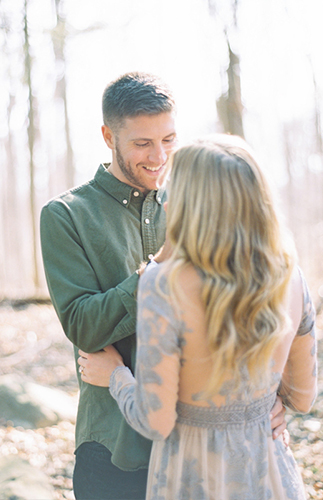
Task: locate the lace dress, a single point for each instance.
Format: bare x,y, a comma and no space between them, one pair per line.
220,449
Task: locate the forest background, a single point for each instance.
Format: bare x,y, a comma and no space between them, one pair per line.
247,67
251,67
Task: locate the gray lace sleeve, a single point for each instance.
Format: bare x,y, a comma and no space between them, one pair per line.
148,401
298,387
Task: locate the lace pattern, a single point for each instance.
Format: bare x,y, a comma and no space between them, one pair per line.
238,414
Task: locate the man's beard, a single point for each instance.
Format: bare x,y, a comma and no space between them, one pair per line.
126,170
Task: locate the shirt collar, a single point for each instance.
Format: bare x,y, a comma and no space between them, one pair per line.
122,192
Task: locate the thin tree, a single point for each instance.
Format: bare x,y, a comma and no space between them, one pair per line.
59,36
317,113
31,131
229,104
10,247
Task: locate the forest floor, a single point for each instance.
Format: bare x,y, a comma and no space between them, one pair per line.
34,346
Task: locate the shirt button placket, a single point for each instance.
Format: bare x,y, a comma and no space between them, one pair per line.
148,229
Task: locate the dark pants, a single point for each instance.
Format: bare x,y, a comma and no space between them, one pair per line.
96,478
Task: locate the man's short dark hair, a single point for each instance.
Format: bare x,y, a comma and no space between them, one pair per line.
135,94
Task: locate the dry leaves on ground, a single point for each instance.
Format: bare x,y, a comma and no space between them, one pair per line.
33,344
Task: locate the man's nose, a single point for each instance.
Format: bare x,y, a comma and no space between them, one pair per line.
158,155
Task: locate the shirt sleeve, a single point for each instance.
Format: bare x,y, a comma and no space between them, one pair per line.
90,317
298,387
148,401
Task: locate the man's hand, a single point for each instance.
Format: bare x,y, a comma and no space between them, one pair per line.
96,368
278,422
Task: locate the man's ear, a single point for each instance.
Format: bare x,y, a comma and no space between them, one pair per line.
108,136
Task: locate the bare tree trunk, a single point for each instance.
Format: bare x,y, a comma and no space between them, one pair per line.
11,218
229,105
31,143
59,35
317,115
70,164
11,254
289,199
318,144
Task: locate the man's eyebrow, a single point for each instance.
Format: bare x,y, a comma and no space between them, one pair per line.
150,139
141,139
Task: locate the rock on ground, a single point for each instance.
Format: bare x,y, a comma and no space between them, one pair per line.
20,481
31,405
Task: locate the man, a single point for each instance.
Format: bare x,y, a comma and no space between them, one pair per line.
94,238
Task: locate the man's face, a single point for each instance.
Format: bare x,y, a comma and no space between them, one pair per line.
141,149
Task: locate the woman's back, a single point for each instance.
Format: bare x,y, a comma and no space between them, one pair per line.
196,364
220,448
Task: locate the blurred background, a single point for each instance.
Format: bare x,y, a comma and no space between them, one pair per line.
248,67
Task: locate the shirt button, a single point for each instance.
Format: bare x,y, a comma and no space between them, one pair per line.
135,193
159,199
125,202
147,221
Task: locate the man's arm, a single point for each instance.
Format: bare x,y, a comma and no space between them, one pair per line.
75,289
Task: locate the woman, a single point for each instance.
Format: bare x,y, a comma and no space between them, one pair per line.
223,324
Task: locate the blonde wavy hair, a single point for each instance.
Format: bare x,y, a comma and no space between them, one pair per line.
221,220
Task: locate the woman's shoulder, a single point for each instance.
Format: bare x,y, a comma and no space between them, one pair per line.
159,279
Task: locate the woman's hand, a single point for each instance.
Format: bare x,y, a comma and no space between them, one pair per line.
278,422
96,368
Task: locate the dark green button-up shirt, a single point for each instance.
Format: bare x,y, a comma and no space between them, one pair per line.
94,238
